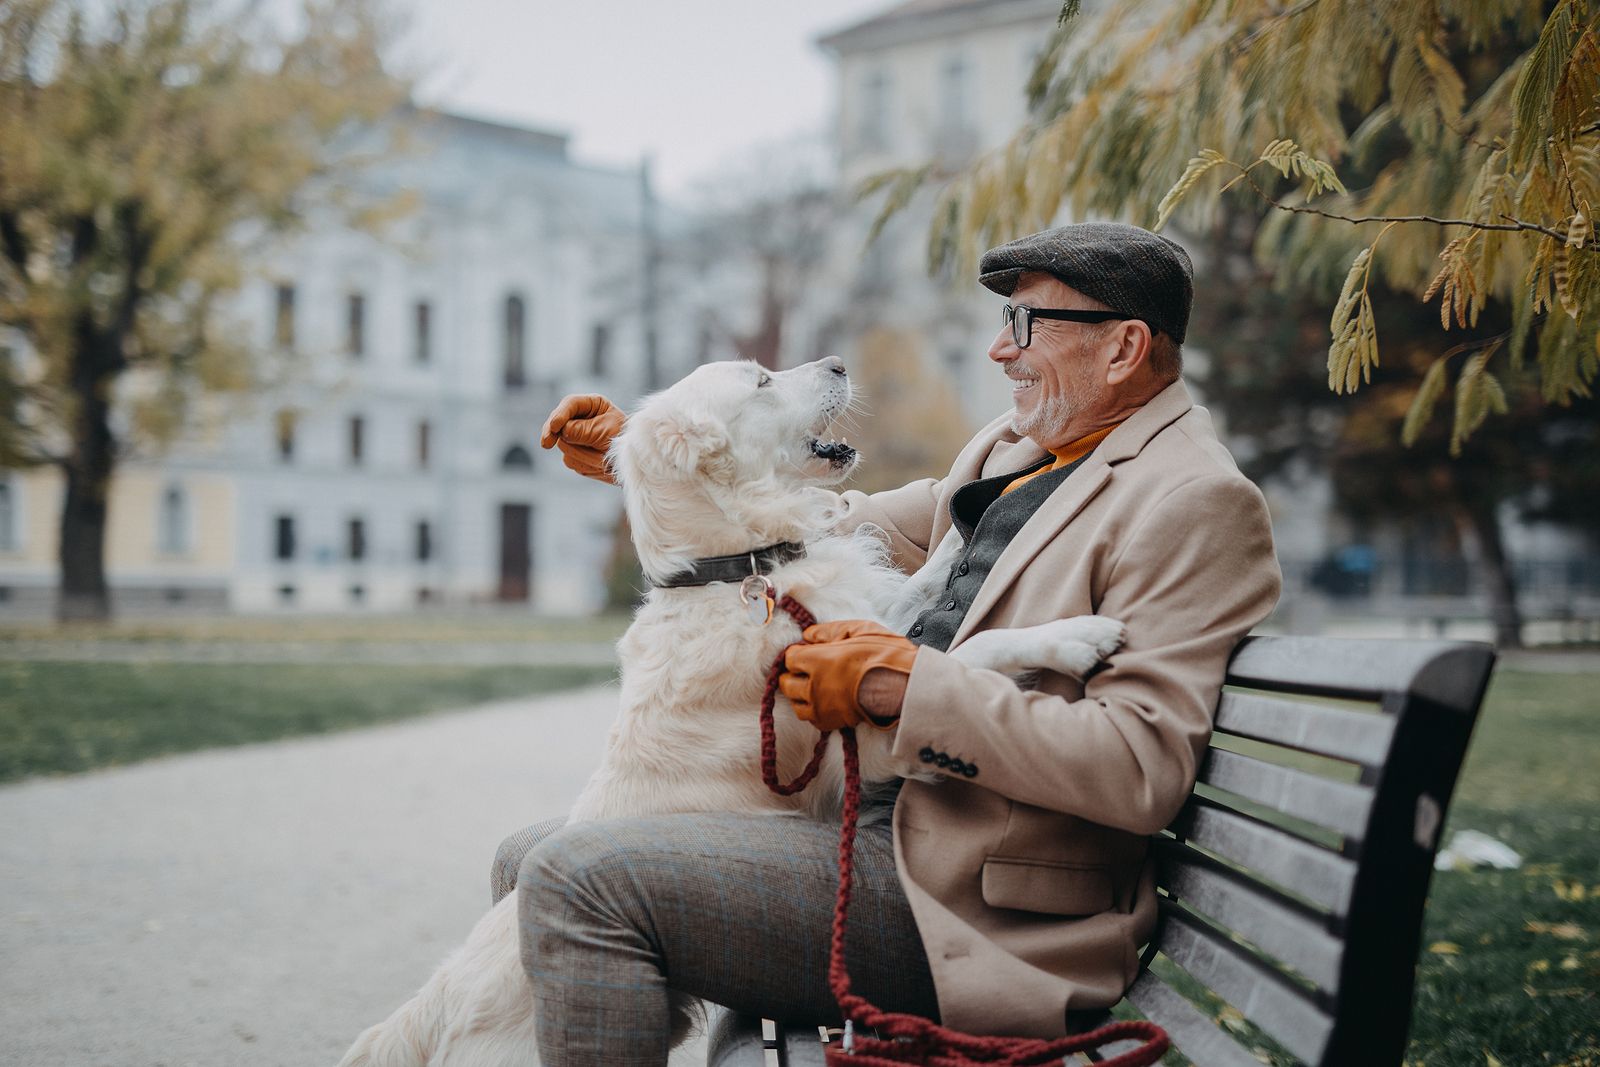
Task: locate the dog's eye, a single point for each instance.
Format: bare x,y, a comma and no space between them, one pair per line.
763,381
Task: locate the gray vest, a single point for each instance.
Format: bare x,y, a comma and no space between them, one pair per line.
987,518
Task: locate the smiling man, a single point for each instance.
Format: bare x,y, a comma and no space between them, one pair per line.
1015,889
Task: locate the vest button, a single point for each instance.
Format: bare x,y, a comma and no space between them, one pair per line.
957,767
941,760
926,755
970,770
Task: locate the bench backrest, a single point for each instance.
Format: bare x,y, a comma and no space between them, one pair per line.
1294,880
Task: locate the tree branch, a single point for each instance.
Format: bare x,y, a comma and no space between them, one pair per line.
1512,224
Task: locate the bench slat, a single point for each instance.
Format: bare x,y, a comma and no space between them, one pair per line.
1337,806
1200,1039
1316,874
1259,993
1447,672
1362,737
1286,931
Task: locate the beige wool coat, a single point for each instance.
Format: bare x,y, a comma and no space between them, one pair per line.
1031,881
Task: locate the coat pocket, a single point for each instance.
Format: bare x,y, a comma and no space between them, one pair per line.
1050,889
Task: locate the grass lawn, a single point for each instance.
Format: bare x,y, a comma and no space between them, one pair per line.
1510,965
64,717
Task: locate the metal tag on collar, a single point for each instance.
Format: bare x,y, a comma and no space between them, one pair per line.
759,597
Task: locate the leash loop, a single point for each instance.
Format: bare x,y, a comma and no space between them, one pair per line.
905,1038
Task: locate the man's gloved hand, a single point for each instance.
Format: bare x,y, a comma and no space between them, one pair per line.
582,427
822,677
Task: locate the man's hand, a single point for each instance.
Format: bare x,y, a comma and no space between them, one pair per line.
582,427
846,673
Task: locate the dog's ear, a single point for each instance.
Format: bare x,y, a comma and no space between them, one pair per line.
692,445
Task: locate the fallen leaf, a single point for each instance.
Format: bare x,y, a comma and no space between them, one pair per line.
1445,948
1570,963
1539,966
1490,1061
1565,931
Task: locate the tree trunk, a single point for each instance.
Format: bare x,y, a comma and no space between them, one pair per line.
1483,523
83,593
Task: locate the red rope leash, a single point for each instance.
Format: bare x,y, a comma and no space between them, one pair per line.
911,1038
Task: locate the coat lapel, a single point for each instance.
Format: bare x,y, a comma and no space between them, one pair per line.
1082,486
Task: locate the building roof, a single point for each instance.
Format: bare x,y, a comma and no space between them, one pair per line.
912,19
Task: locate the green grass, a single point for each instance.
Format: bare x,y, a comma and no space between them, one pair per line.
64,717
1510,961
441,627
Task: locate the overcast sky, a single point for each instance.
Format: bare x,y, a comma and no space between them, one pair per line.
693,83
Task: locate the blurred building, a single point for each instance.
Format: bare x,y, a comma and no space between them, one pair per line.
393,457
938,81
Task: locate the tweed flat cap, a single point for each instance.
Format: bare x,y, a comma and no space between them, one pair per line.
1131,270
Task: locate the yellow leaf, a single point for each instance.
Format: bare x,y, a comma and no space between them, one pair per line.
1539,966
1445,948
1490,1061
1570,963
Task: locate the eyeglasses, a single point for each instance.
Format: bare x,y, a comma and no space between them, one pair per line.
1020,318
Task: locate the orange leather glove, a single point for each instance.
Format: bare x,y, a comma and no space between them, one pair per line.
822,676
582,427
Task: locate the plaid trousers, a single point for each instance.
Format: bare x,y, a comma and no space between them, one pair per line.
734,909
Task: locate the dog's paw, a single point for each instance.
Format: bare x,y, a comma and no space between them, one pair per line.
1100,633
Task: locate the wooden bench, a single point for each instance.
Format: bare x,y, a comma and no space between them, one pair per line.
1293,882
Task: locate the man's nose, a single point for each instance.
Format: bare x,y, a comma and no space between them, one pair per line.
1004,348
834,364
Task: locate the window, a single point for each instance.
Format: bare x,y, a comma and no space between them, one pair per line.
285,539
358,428
599,349
515,335
517,458
424,541
422,332
424,435
358,594
872,122
283,316
285,425
355,326
8,519
172,538
356,541
955,93
286,595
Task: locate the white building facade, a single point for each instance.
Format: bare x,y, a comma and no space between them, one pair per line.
393,460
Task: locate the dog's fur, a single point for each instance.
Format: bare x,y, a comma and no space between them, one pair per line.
726,461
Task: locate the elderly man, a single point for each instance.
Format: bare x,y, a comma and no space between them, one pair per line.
1016,890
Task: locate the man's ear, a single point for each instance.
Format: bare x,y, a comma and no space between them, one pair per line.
1132,340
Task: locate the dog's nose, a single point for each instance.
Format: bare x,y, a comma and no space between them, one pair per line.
833,363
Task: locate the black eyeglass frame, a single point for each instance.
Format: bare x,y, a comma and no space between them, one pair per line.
1020,318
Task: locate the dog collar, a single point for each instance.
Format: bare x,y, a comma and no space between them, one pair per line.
736,567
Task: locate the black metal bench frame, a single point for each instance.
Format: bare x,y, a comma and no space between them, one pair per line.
1294,880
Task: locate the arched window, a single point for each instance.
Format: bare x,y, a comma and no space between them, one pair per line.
516,371
173,537
517,458
8,518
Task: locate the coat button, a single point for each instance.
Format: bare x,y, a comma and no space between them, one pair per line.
961,569
970,770
941,760
926,755
915,631
950,606
957,767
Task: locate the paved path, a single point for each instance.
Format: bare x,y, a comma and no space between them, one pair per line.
262,905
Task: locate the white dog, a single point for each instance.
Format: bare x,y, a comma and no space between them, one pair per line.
730,460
